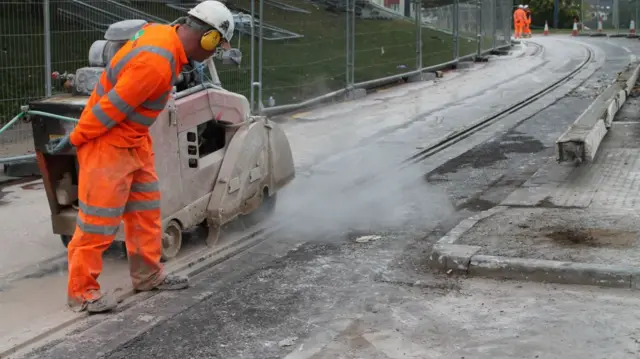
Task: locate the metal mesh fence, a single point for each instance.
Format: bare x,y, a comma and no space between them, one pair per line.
21,68
302,49
468,27
593,10
385,39
624,12
487,23
502,20
438,45
615,15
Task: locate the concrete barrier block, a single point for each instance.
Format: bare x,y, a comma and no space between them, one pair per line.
614,105
426,76
593,140
454,257
464,65
356,94
633,78
583,137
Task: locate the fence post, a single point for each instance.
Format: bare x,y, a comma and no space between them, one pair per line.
456,28
494,25
47,48
479,27
253,59
350,43
615,18
509,16
347,58
418,9
353,42
259,84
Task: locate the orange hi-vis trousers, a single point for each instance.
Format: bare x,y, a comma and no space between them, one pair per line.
518,26
115,183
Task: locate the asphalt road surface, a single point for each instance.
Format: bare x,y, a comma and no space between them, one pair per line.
348,277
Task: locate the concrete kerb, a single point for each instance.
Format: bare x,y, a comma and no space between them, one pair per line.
449,256
581,140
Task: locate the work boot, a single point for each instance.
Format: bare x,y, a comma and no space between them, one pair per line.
173,282
105,303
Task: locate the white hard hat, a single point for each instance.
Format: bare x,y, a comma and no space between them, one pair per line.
521,6
526,6
217,15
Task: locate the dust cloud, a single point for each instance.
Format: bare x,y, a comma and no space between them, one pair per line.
360,192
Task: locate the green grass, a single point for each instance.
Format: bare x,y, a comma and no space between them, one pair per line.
293,70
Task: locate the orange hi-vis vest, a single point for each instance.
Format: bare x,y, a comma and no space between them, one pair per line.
133,90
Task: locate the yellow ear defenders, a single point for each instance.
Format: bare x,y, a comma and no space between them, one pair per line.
210,40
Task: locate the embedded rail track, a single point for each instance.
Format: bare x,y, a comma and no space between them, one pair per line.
465,132
197,261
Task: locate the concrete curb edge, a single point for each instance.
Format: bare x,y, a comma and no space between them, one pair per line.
582,139
448,256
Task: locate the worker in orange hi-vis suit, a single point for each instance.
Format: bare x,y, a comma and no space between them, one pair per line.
117,177
518,21
527,21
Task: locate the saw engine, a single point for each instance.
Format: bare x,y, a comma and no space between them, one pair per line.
101,52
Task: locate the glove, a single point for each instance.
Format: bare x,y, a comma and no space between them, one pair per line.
61,144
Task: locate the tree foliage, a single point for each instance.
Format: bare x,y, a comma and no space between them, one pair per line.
542,10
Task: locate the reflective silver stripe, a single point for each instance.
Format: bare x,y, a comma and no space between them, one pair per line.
96,229
114,71
99,89
102,116
134,206
157,104
128,110
119,103
141,119
100,211
145,187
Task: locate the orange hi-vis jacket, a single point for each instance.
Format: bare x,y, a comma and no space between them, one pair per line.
133,90
519,16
